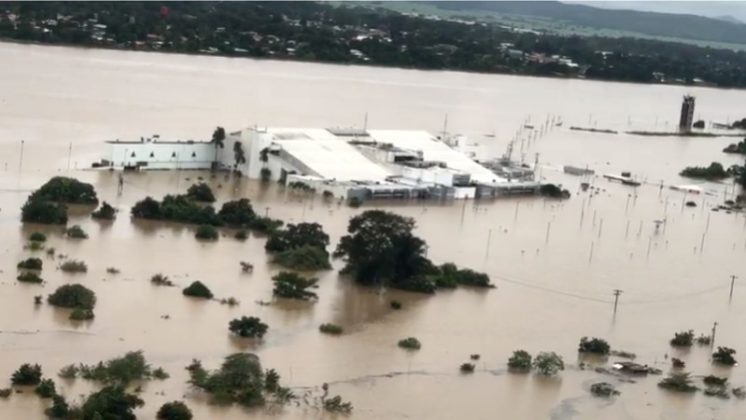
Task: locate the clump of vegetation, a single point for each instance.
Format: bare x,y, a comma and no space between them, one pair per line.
76,232
265,174
240,379
29,277
467,368
60,409
603,389
73,296
206,232
296,236
712,380
593,345
704,340
201,192
332,329
198,289
553,191
111,402
34,246
230,301
450,276
739,392
238,213
30,264
520,361
68,372
265,225
683,339
739,148
294,286
410,343
37,237
38,299
46,212
724,356
112,270
241,235
175,410
47,204
677,363
548,363
305,258
679,382
27,374
120,370
160,374
395,305
161,280
6,392
105,212
248,327
74,266
713,172
46,389
80,314
336,405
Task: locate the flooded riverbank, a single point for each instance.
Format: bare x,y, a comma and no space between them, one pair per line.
555,263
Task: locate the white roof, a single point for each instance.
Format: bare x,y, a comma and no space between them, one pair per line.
434,150
327,155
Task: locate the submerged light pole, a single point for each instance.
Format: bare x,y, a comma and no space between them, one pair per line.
733,278
617,292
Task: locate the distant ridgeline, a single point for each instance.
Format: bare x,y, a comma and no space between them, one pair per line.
369,34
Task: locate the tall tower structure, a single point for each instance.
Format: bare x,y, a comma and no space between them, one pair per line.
687,113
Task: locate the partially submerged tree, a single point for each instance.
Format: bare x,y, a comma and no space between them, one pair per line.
296,236
201,192
331,329
31,264
46,389
37,237
240,379
105,212
337,405
548,363
73,296
410,343
248,327
29,277
26,374
206,232
520,361
74,266
47,204
594,345
724,356
76,232
294,286
175,410
197,289
678,381
683,339
239,156
111,402
237,213
120,370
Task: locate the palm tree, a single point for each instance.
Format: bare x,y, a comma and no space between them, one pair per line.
218,138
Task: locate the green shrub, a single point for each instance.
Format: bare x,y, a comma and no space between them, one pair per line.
73,296
198,290
240,379
6,392
520,361
395,305
450,276
603,389
76,232
26,375
120,370
105,212
248,327
296,236
683,339
206,232
80,314
593,345
29,277
201,192
60,409
331,329
111,402
237,213
410,343
713,380
293,286
30,264
467,368
160,374
265,225
305,258
548,363
175,410
713,172
34,246
679,382
45,212
66,190
46,389
37,237
336,405
112,270
724,356
241,235
175,208
74,266
161,280
68,372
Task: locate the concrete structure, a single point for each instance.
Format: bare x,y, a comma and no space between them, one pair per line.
154,153
687,113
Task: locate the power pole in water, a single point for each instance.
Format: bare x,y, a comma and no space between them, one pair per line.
617,292
733,278
712,341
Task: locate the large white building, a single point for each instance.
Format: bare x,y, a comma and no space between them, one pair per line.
343,162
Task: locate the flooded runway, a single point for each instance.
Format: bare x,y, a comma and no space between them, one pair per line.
555,263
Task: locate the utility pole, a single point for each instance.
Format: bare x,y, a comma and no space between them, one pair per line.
617,292
712,341
733,278
20,164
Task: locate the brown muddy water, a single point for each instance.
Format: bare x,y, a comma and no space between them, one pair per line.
555,264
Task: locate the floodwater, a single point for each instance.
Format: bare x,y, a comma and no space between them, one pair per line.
555,264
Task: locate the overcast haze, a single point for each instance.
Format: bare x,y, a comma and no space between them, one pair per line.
714,9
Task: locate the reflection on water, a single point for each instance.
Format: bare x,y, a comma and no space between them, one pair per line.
556,264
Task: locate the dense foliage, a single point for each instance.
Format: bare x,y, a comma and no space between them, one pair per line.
713,172
27,374
46,389
240,379
296,236
450,276
683,339
248,327
206,232
175,410
73,296
37,237
724,356
305,258
410,343
331,329
105,212
119,370
76,232
197,289
111,402
65,190
548,363
294,286
29,277
520,361
201,192
74,266
678,381
46,212
30,264
594,345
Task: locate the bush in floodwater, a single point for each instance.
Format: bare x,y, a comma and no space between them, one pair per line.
603,389
683,339
161,280
548,363
679,382
594,345
66,190
237,213
80,314
294,286
230,301
46,389
26,374
45,212
76,232
724,356
105,212
241,235
198,290
337,405
296,236
240,379
74,266
713,380
248,327
305,258
6,392
111,402
265,225
175,410
29,277
520,361
450,276
467,368
37,237
201,192
73,296
112,270
704,340
553,191
395,305
331,329
410,343
34,246
119,370
68,372
60,409
206,232
160,374
30,264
